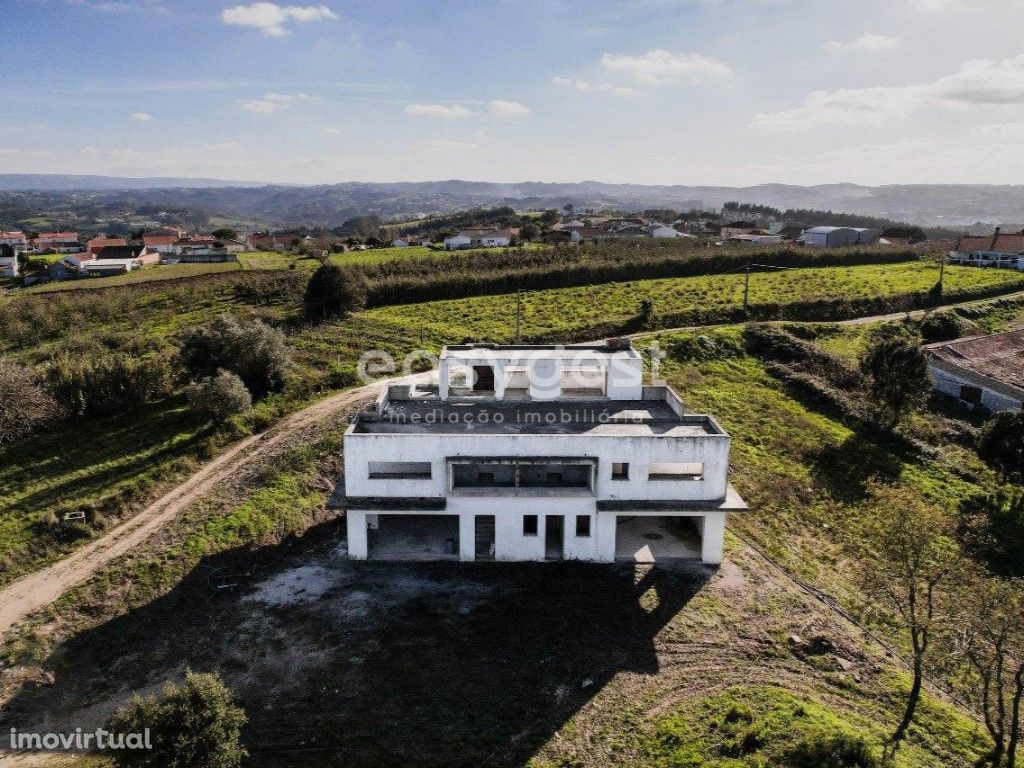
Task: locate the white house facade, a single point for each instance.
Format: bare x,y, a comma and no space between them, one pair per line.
536,453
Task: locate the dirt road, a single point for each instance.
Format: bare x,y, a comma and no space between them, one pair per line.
37,590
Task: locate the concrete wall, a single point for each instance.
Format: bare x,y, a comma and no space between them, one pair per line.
950,384
638,451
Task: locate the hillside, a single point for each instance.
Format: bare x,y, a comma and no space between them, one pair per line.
954,205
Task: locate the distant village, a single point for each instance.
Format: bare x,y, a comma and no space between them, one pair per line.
30,256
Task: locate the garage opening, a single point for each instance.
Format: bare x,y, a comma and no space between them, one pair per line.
413,537
652,539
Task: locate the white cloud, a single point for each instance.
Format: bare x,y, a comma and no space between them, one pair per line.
980,82
446,144
271,102
438,110
270,18
869,42
585,86
141,117
661,67
506,108
1001,130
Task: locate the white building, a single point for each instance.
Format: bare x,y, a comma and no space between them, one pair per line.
664,231
998,250
837,237
8,263
981,371
536,453
16,240
479,238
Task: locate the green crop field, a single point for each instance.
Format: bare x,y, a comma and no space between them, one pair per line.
544,312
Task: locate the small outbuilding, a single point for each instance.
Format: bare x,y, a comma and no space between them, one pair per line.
981,371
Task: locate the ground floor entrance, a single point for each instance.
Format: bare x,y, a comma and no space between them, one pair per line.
555,529
653,539
413,537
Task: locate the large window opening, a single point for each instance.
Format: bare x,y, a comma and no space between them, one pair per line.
675,471
583,382
399,470
523,474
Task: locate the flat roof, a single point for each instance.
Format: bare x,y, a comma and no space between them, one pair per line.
536,352
616,418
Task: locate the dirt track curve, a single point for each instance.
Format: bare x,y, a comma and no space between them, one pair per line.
29,593
37,590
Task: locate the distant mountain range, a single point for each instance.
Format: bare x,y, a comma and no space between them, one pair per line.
934,205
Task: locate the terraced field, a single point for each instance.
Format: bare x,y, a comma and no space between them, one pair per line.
554,311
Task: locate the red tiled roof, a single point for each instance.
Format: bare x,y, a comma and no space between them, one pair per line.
1004,243
159,239
57,236
12,235
99,243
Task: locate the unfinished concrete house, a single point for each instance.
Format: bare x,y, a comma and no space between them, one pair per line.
536,453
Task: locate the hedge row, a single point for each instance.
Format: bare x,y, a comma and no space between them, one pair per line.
446,282
817,310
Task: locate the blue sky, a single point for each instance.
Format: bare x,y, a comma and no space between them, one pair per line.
647,91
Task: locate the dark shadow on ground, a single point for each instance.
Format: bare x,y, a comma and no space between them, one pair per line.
845,469
394,664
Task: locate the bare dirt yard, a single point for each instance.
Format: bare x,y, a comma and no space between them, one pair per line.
378,664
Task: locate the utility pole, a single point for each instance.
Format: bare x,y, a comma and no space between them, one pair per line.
519,314
746,288
942,274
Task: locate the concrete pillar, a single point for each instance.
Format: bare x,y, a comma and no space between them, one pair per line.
467,536
442,379
546,379
604,529
712,541
499,380
355,524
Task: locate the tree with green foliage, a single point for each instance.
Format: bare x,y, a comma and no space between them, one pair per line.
225,233
1001,444
897,369
24,404
529,231
247,347
909,554
193,725
218,397
333,293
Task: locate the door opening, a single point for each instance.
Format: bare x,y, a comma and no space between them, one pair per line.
554,537
483,378
484,530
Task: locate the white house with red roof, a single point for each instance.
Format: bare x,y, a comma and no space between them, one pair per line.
61,242
97,244
15,240
996,250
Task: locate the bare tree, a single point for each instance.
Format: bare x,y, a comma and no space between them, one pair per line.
909,554
990,643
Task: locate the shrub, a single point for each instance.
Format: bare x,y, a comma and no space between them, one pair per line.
251,349
24,405
333,292
194,725
942,326
218,397
898,372
1001,444
103,383
704,348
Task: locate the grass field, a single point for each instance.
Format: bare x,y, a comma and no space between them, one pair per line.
555,311
557,665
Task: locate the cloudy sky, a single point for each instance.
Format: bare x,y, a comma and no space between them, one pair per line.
648,91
